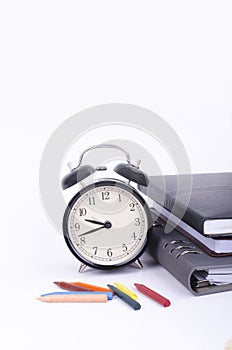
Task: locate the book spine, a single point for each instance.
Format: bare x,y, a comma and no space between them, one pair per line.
191,217
185,261
169,202
172,252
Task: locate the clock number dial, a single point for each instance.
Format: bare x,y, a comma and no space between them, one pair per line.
137,222
132,206
92,201
134,236
112,225
109,252
105,196
82,211
77,226
82,240
124,247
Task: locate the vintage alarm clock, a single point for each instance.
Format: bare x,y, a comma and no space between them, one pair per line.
107,223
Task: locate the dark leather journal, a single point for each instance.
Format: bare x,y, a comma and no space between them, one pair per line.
209,210
187,262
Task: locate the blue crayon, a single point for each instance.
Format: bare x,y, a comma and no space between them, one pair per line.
109,294
133,303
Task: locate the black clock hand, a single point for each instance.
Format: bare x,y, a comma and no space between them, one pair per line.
106,225
95,222
91,231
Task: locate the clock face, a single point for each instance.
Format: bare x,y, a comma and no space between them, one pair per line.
106,224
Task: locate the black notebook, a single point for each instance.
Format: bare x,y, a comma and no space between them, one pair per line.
209,210
208,216
215,246
200,273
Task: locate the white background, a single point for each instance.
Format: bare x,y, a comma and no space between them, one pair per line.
57,58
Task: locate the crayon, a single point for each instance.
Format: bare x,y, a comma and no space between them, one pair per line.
126,290
91,287
71,287
109,294
153,295
74,298
131,302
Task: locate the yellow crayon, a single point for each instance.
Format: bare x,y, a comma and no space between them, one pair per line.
126,290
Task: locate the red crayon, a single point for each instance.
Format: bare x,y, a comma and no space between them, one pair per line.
152,294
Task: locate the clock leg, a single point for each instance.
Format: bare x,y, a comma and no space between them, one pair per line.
138,264
82,268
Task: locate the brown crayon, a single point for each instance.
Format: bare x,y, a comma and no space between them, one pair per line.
72,287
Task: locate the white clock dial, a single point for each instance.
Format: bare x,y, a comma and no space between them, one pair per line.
107,224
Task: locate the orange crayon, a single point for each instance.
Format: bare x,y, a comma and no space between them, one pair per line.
91,287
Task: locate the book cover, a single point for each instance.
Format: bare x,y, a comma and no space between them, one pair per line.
215,246
187,262
209,210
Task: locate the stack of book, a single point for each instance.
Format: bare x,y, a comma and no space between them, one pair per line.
198,248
